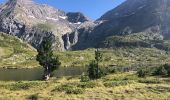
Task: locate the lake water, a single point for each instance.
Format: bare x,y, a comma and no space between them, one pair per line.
37,73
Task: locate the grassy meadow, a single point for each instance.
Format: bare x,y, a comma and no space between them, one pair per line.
120,85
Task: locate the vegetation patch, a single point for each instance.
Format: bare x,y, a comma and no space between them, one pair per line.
159,89
69,89
22,86
15,53
90,84
117,83
33,97
150,81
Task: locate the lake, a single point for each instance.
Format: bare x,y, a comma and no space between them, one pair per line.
37,73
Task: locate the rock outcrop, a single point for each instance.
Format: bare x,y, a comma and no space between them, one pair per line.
31,22
132,16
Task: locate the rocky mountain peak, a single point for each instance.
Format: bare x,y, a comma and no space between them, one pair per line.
20,1
130,17
76,17
31,22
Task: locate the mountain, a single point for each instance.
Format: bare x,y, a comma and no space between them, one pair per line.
146,17
144,21
31,22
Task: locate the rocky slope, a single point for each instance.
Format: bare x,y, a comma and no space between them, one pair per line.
31,22
149,17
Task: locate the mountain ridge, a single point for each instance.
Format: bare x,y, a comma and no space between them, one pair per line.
74,31
132,16
31,22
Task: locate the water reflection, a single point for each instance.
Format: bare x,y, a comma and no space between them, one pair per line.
36,73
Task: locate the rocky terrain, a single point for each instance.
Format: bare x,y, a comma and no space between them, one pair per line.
31,22
71,31
149,17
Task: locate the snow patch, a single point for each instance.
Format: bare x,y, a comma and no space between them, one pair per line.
78,23
30,16
63,17
141,7
100,22
49,18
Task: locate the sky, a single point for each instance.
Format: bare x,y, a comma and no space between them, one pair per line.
90,8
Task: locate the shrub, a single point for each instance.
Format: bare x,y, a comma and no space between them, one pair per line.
143,72
150,81
160,71
167,68
168,72
117,83
94,72
70,89
112,70
131,77
33,97
87,85
20,87
84,78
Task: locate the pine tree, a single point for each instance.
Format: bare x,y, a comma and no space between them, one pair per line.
94,71
46,58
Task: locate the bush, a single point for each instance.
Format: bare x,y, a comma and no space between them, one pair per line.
20,86
112,70
167,68
33,97
94,72
160,71
117,83
143,72
84,78
70,89
150,81
87,85
168,72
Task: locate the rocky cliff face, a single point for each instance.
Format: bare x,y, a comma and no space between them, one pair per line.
132,16
31,22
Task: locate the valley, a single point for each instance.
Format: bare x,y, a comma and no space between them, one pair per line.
50,54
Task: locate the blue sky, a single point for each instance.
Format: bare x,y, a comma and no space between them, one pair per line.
91,8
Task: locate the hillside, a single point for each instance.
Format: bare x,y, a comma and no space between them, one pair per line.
130,17
132,61
16,54
123,52
31,22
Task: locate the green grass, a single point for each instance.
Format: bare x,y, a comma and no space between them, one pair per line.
130,58
119,86
16,54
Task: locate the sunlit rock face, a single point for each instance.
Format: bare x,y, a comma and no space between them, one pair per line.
133,16
72,30
31,22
